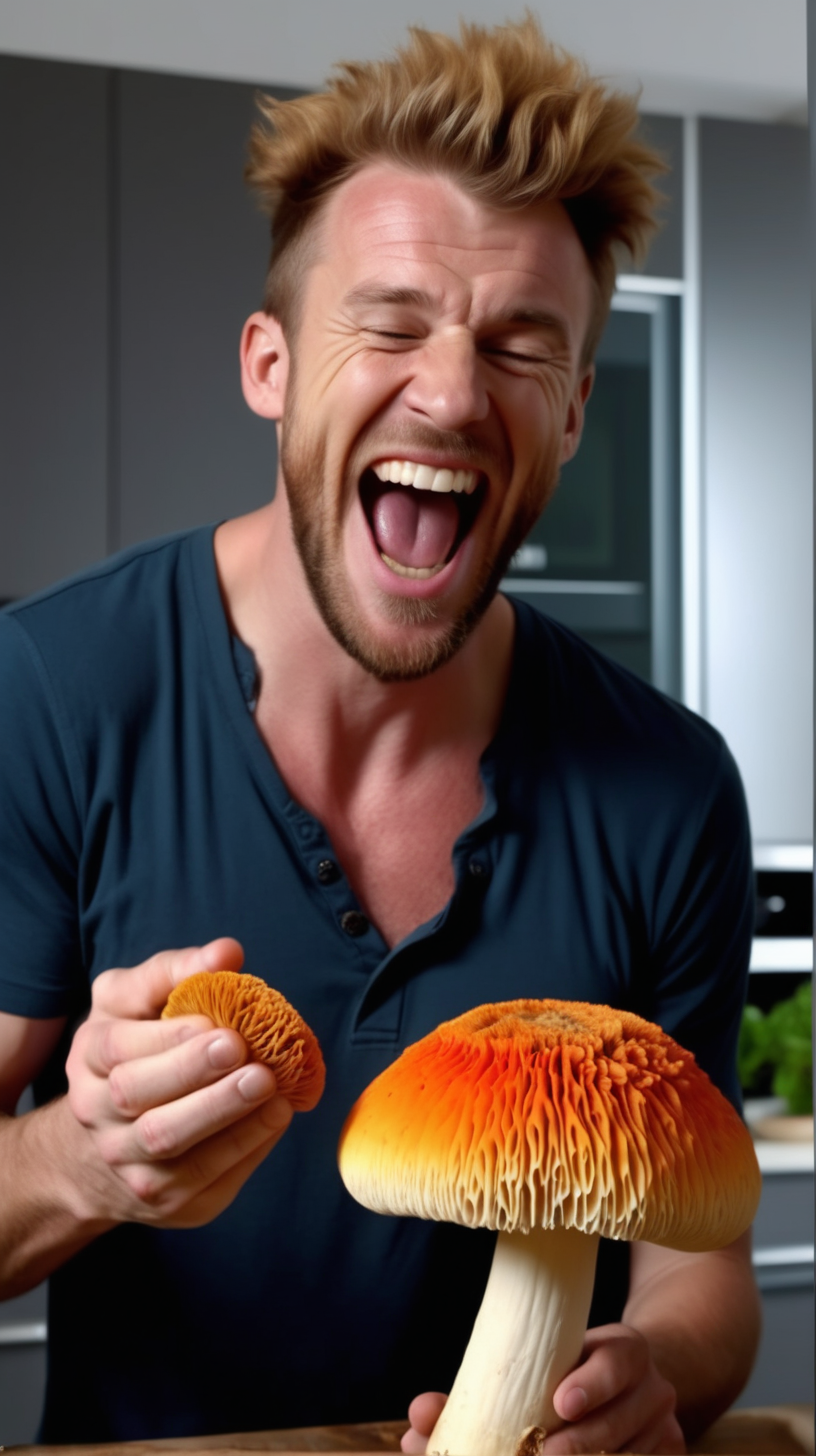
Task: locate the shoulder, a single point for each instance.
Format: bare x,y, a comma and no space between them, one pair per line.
128,580
95,625
623,753
592,700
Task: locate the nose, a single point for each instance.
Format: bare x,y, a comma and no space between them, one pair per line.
447,386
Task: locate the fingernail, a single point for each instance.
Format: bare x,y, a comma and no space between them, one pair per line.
255,1083
222,1053
276,1114
574,1403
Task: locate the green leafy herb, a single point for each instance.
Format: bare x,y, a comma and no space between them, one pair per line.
780,1042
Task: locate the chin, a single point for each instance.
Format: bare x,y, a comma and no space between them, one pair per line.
414,645
415,641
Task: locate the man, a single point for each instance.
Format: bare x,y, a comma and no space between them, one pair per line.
320,730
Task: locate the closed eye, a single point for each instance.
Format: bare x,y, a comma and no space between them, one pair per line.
516,356
394,337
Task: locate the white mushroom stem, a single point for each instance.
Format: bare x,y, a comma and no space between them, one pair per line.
527,1336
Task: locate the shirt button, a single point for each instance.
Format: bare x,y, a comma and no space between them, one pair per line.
477,870
354,923
327,872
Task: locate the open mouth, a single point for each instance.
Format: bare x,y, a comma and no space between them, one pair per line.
419,515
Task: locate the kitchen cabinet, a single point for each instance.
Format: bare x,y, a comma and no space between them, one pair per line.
783,1262
22,1366
138,263
781,959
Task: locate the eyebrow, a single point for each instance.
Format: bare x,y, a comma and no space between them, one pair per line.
376,293
368,293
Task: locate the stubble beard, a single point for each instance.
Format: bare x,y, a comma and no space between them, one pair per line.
318,546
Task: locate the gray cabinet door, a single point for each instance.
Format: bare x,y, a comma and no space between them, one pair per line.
784,1226
192,251
53,320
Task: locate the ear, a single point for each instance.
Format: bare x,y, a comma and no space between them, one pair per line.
574,427
264,365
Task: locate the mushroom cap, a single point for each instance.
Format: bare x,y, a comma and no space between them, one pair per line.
273,1030
554,1114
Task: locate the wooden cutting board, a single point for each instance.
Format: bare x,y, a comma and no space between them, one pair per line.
782,1430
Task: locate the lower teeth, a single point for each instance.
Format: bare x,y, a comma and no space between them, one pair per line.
421,572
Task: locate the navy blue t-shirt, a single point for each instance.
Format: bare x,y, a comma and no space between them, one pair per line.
141,810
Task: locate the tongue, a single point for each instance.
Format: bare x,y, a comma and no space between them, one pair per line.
415,528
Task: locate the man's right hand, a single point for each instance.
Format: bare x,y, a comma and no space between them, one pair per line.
165,1119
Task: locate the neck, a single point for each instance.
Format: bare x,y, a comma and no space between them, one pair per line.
317,702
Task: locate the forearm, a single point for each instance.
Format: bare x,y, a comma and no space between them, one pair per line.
45,1205
701,1316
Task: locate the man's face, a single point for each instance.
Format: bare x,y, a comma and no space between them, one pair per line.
434,390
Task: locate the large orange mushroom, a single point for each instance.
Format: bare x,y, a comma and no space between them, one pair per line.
555,1123
273,1030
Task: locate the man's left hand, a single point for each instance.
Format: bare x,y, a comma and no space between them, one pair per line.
614,1400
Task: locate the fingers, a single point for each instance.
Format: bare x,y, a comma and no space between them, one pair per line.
423,1413
663,1438
412,1443
176,1115
616,1399
614,1358
141,991
143,1081
639,1421
167,1130
218,1194
190,1190
106,1043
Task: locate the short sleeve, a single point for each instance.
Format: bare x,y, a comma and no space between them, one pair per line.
41,961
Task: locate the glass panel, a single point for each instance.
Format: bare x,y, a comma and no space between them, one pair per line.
598,524
595,559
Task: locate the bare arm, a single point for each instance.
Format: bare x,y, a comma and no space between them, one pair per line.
162,1124
701,1314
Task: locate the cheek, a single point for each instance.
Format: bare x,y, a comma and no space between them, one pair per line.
536,439
371,380
344,368
539,420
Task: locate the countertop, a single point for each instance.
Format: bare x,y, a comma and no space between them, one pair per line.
783,1430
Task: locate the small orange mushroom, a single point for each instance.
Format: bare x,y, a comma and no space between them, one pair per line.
554,1122
273,1030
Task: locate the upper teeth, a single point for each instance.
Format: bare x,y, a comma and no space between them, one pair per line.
425,477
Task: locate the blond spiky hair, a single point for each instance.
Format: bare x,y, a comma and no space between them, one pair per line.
510,117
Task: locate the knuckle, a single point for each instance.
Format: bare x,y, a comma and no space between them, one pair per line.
77,1055
107,1050
154,1136
103,990
668,1401
635,1354
109,1147
144,1184
565,1444
160,1198
81,1103
119,1089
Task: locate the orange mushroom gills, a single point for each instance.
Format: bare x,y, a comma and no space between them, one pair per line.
273,1030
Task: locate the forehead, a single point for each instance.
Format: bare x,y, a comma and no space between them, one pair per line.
400,228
